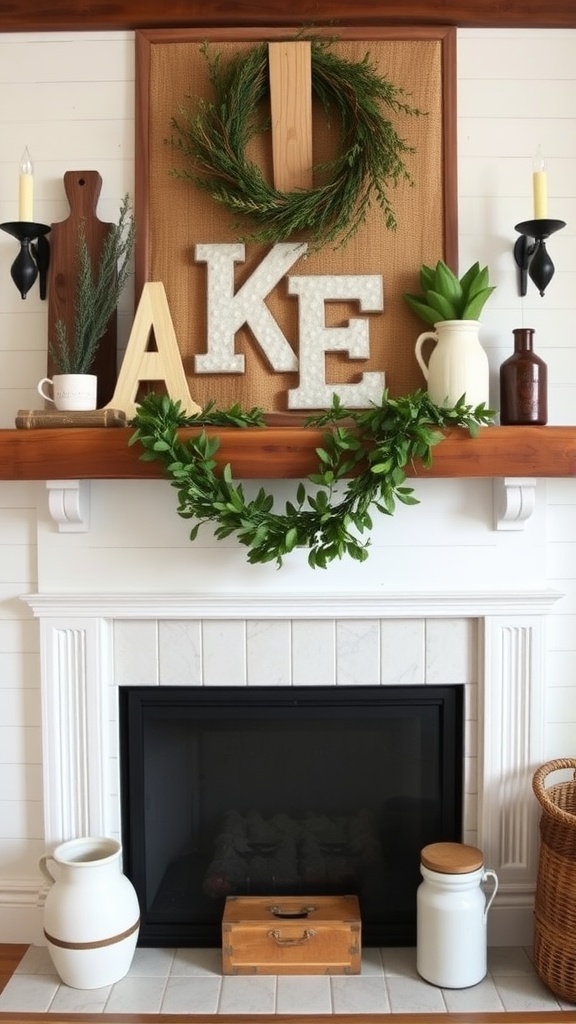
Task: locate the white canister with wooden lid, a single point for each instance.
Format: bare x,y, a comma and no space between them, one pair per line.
452,911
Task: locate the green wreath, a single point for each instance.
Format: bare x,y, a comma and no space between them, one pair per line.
212,139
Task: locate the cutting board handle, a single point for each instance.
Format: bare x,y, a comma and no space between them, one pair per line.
83,190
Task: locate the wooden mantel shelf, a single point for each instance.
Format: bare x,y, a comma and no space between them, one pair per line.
94,453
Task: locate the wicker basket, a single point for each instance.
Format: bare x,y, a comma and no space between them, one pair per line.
555,908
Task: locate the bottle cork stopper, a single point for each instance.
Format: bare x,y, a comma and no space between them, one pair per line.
451,858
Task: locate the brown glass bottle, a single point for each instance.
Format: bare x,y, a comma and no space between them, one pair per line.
523,384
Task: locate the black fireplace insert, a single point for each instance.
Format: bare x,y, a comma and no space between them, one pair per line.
299,791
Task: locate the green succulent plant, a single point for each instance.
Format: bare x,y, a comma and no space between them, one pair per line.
447,297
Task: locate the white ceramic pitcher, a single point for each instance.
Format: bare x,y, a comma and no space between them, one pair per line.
91,914
458,365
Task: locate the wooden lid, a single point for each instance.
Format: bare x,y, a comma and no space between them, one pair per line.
451,858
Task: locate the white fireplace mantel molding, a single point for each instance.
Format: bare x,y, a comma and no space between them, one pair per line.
69,503
79,694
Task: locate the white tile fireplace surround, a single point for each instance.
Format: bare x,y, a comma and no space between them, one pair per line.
490,642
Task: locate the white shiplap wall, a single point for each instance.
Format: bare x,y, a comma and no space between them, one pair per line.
70,99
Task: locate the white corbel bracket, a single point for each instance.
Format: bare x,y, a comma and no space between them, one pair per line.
69,504
514,501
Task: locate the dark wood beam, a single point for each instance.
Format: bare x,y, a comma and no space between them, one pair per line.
82,15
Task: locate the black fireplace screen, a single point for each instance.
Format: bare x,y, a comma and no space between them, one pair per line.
285,791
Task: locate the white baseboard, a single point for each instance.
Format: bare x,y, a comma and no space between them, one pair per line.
510,919
21,911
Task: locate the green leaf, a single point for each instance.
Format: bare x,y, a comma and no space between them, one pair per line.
422,309
406,496
447,284
478,283
380,468
427,277
470,275
446,310
475,306
291,539
323,455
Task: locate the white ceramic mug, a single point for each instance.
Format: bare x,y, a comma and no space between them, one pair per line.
70,392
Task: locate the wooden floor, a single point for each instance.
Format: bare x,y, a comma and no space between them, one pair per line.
10,957
11,954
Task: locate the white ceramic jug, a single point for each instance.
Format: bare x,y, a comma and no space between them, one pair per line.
91,915
452,911
458,365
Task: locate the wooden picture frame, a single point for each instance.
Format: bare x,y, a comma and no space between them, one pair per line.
163,246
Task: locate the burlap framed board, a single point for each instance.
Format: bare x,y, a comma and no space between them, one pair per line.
174,216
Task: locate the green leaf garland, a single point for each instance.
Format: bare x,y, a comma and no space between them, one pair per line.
361,467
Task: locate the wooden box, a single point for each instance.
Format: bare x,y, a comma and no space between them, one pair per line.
291,935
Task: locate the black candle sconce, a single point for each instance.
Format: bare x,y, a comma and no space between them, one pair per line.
531,254
34,257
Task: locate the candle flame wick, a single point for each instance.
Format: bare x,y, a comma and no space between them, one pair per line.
538,163
26,165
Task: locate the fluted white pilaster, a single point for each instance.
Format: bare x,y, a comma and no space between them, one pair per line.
75,676
513,715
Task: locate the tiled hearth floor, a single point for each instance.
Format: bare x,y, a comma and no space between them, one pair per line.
190,981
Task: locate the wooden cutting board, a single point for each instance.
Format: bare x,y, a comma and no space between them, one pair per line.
82,190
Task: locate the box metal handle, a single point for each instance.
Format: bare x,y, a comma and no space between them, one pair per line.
275,934
283,912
